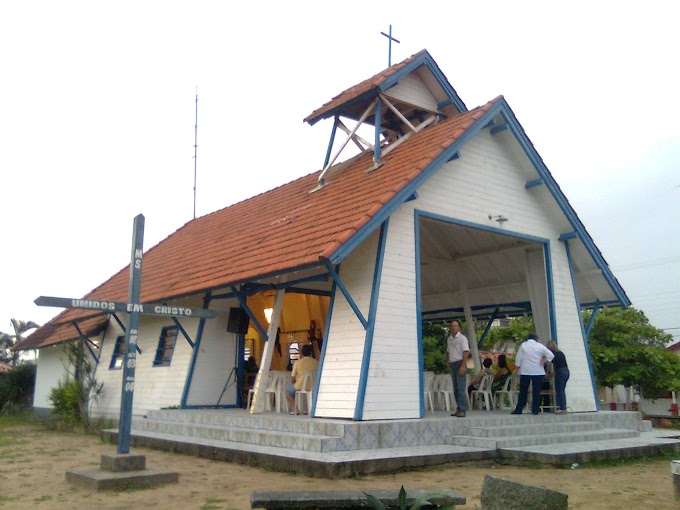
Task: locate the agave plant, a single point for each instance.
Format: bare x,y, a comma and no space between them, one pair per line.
422,501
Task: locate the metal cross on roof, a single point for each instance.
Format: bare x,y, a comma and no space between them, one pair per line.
389,51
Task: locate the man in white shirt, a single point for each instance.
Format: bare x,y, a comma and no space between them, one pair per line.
530,361
457,354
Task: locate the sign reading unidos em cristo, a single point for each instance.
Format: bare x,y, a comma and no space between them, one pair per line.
113,306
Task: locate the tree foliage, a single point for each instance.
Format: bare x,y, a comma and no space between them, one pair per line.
434,347
626,349
7,340
16,388
517,330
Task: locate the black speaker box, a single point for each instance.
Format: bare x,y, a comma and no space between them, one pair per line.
238,321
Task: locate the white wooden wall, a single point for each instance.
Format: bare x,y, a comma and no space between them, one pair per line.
487,179
393,386
413,90
339,381
155,387
51,369
215,361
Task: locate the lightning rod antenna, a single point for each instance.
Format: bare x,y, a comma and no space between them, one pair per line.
195,149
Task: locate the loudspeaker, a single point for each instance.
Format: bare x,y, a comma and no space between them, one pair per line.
238,321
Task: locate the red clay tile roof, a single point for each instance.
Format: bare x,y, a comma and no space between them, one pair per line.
55,332
359,89
278,231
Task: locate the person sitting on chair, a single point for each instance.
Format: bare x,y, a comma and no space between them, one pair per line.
486,369
305,364
501,374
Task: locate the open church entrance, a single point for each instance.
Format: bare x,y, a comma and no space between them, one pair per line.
473,271
302,322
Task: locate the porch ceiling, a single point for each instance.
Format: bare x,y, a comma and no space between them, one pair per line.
490,266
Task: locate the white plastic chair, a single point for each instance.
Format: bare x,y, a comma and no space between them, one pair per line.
483,392
275,391
428,390
508,392
305,391
444,391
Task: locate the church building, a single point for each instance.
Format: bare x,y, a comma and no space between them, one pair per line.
443,212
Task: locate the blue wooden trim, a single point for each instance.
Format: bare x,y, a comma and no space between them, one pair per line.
454,156
419,313
551,291
253,319
252,288
591,322
586,343
194,354
378,129
249,288
522,305
184,333
498,129
445,103
534,183
322,354
312,292
486,228
87,343
373,306
568,235
425,60
395,202
120,323
493,317
345,292
586,306
314,278
122,327
330,143
562,201
228,295
413,196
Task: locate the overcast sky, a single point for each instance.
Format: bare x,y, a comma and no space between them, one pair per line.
97,106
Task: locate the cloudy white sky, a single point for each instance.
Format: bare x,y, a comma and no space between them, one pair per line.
97,119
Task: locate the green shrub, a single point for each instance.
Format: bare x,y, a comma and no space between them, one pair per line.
16,388
66,399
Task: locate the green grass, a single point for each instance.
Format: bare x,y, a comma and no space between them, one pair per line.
16,420
629,461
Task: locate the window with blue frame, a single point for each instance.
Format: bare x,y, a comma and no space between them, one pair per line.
118,353
166,346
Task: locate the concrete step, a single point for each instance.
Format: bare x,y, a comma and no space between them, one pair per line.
544,439
271,438
539,429
274,422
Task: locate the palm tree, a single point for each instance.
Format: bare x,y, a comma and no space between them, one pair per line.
7,340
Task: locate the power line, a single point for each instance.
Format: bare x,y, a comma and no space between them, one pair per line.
651,263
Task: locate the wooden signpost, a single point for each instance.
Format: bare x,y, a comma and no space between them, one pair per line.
134,308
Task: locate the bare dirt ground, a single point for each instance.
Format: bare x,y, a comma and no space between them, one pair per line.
33,463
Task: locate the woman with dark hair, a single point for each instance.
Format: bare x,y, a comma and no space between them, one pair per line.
501,374
561,370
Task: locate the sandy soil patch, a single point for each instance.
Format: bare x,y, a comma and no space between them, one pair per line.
33,463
